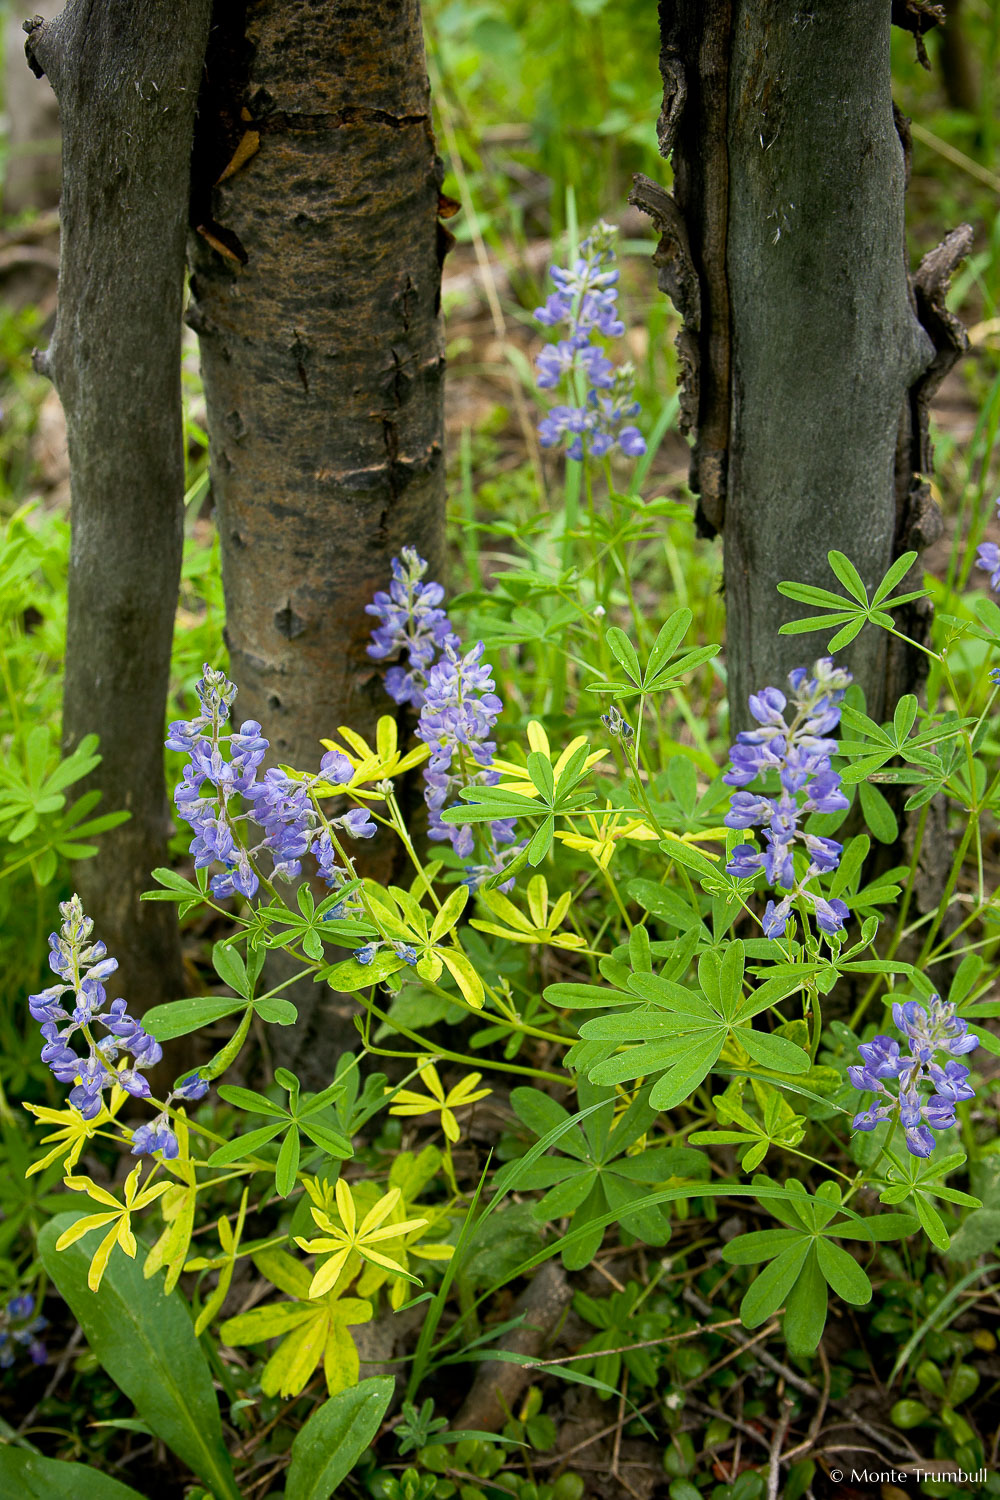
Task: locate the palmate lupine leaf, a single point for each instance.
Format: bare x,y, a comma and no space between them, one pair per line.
853,611
802,1260
681,1033
592,1172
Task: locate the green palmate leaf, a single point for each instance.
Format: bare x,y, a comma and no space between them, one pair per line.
244,1145
769,1289
276,1011
806,1308
625,653
29,1476
771,1051
879,816
146,1342
350,975
541,841
820,622
286,1171
229,966
895,575
848,1279
250,1100
848,633
848,575
541,773
670,635
179,1017
685,1076
335,1437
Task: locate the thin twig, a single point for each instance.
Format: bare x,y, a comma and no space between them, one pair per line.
560,1458
798,1382
777,1443
737,1422
817,1421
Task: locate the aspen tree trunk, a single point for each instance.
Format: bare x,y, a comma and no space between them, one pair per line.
317,301
808,354
316,296
126,75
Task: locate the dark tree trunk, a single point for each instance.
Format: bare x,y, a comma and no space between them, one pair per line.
808,360
317,278
317,299
126,74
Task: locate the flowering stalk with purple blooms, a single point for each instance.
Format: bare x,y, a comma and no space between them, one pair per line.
799,752
82,966
219,797
454,692
585,304
933,1032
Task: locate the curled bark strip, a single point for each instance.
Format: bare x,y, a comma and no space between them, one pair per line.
692,130
916,17
498,1384
948,333
679,279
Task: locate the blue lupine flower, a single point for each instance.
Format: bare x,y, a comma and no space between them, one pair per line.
358,823
798,753
82,966
930,1031
217,794
157,1136
19,1328
413,623
586,302
455,693
191,1088
366,954
988,557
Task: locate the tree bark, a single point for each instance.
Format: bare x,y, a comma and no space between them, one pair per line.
126,74
317,301
316,296
805,355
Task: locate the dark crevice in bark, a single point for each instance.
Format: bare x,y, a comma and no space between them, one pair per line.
126,78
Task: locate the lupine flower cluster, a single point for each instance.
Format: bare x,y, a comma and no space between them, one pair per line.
19,1328
82,967
933,1033
220,798
988,558
454,692
585,302
799,752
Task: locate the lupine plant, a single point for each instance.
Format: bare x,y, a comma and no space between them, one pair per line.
627,982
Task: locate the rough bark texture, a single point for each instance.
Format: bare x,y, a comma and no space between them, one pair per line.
321,346
125,73
807,355
826,343
316,287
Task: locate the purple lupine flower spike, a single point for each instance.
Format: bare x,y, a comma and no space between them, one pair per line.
586,303
930,1031
82,965
798,752
455,693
